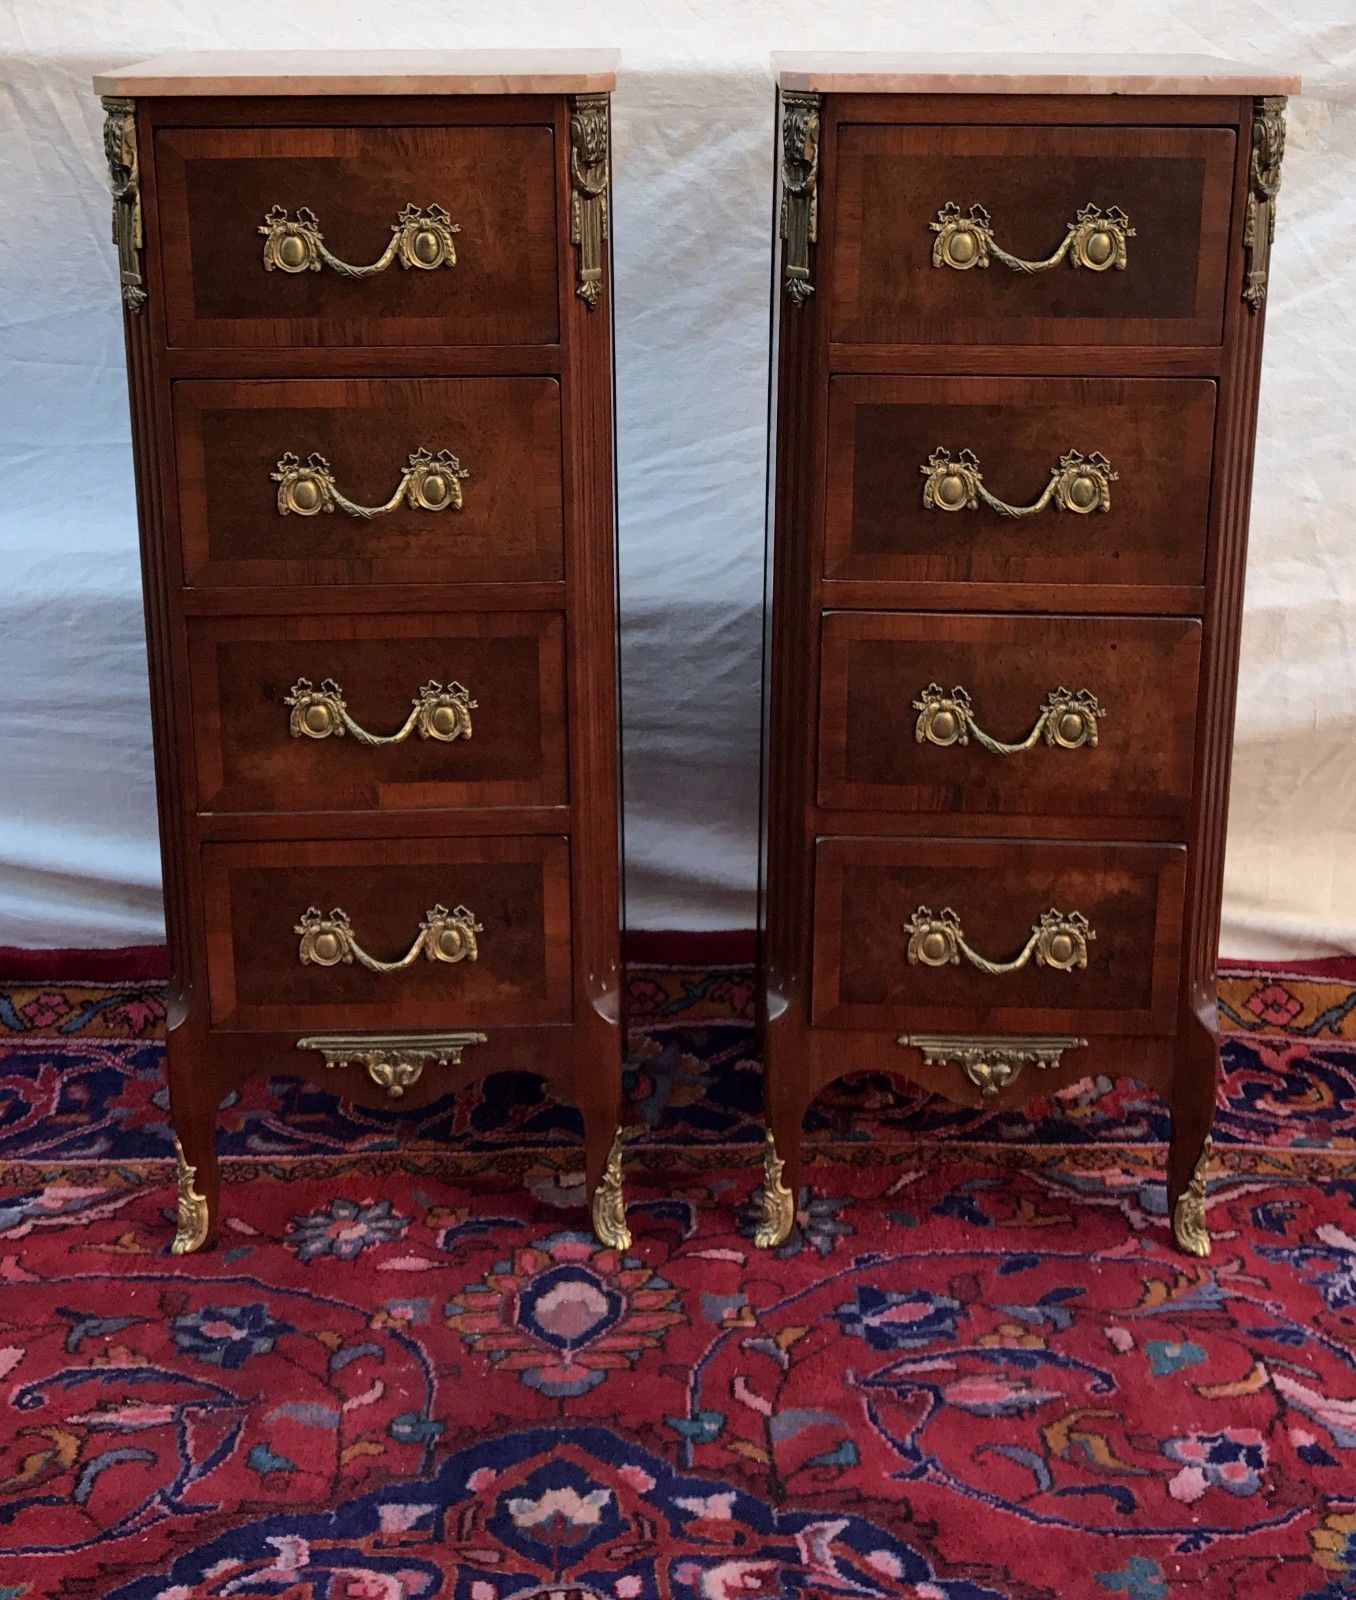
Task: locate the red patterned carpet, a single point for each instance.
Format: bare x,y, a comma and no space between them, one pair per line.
977,1369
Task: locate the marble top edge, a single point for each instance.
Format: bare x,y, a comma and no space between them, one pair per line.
871,72
365,72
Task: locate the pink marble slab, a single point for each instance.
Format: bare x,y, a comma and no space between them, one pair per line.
870,72
365,72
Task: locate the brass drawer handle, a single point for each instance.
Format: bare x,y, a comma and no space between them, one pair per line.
444,935
1095,239
1066,720
427,483
1078,483
436,713
1056,941
419,238
991,1063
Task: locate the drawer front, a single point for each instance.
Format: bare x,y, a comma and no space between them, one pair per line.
323,482
459,224
487,920
1031,716
1115,907
907,503
909,264
372,713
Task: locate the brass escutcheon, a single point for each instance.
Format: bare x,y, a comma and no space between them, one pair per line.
395,1063
991,1062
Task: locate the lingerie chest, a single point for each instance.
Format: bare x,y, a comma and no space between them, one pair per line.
368,324
1018,340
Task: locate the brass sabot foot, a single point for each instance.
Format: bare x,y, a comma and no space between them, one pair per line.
609,1203
194,1219
1188,1215
776,1203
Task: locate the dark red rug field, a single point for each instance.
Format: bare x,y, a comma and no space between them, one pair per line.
976,1370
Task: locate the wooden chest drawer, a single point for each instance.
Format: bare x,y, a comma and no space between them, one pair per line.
464,218
1031,716
346,481
922,209
478,929
1088,935
916,464
466,710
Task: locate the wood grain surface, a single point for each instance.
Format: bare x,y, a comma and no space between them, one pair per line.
1156,433
1141,670
511,663
1173,183
495,182
505,432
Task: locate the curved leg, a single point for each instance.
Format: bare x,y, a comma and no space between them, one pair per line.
1193,1112
599,1098
193,1110
783,1100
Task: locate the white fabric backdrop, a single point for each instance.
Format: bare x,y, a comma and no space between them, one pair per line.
692,172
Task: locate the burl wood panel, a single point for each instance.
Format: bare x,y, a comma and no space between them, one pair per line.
513,665
866,890
506,433
518,889
1143,672
1173,183
1156,433
497,183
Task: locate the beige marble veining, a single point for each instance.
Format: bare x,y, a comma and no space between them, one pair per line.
365,72
873,72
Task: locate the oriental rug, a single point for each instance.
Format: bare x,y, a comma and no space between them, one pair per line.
976,1371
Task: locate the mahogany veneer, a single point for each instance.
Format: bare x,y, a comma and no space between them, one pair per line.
875,666
499,182
373,445
867,889
1018,341
511,664
504,433
519,890
1158,435
1175,183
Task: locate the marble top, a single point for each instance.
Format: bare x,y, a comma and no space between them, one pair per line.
871,72
365,72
